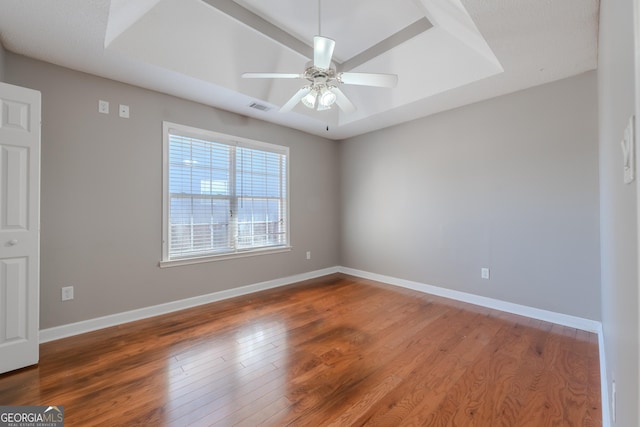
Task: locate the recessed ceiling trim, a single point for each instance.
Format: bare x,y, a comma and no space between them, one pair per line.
123,14
387,44
261,25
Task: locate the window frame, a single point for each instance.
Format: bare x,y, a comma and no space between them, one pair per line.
189,131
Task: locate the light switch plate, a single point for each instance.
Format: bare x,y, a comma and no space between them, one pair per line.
103,106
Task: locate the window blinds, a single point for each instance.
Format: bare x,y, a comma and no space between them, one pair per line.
225,196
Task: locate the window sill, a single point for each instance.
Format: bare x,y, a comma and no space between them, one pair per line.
212,258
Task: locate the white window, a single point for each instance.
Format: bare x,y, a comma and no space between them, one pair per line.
223,196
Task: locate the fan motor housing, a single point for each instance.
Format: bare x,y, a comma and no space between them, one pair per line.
319,75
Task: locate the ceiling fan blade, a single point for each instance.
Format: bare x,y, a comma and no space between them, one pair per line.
322,52
295,99
343,102
369,79
271,76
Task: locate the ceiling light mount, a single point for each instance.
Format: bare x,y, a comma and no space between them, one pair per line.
313,73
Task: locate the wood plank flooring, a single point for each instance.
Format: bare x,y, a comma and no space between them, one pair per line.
335,351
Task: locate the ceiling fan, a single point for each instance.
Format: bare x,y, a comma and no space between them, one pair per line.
323,91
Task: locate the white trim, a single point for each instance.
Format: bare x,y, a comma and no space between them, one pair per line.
636,65
64,331
165,190
210,258
509,307
77,328
604,382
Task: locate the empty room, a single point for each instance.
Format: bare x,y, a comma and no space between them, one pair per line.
315,212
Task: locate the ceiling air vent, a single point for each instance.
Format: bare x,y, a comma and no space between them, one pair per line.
260,107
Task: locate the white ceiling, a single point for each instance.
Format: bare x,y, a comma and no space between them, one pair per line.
447,53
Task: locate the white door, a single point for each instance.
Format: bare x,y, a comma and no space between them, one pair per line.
19,226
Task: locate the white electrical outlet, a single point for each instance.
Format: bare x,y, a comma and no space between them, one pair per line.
484,273
67,293
103,106
308,254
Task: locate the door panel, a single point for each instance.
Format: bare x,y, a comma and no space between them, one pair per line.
13,287
13,187
19,226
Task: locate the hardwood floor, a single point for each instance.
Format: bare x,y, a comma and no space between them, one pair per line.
337,351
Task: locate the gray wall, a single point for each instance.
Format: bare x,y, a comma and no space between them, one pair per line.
102,188
619,215
510,184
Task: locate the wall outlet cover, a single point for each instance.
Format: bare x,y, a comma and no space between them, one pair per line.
67,293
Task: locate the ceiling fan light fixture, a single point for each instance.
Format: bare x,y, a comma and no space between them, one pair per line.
322,89
309,100
327,98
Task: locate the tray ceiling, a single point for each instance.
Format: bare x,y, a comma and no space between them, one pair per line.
446,53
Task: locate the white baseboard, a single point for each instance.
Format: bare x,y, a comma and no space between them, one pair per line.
71,329
522,310
594,326
604,382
